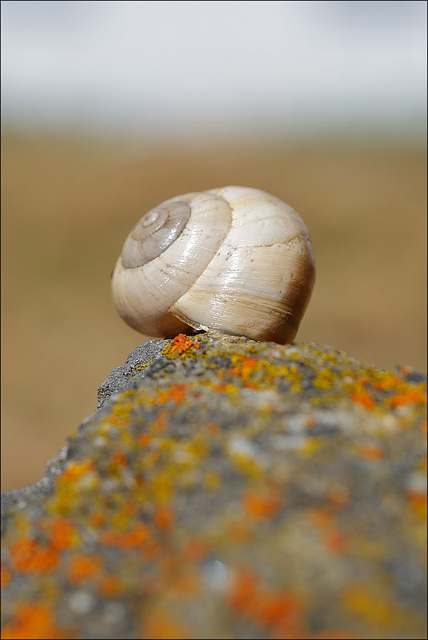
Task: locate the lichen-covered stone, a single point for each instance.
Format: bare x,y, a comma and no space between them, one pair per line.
229,488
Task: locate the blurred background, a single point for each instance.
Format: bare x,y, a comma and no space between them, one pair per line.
109,108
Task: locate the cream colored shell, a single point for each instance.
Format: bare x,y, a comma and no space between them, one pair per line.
234,259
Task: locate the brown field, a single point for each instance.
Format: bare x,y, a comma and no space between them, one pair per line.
68,204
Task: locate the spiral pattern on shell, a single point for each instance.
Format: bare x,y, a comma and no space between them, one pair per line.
235,259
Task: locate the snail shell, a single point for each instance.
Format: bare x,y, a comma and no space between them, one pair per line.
234,259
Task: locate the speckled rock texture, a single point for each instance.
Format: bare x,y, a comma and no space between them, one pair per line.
227,488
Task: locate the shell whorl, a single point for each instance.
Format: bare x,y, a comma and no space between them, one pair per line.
234,259
154,233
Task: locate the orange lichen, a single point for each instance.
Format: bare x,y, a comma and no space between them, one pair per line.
196,549
182,343
310,422
119,458
164,517
63,533
28,556
370,452
75,470
152,457
239,530
418,503
35,621
260,505
281,612
129,508
227,388
185,584
243,366
321,517
212,428
178,393
175,394
110,586
275,607
336,543
83,567
162,397
97,519
243,590
387,382
5,576
160,423
411,396
363,397
135,537
338,497
144,439
159,626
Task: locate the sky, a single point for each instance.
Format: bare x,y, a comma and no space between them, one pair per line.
179,68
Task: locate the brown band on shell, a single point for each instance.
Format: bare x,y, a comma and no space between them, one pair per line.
154,233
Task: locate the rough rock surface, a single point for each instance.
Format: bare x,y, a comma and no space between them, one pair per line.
235,490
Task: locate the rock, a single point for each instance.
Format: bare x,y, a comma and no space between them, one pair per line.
228,488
